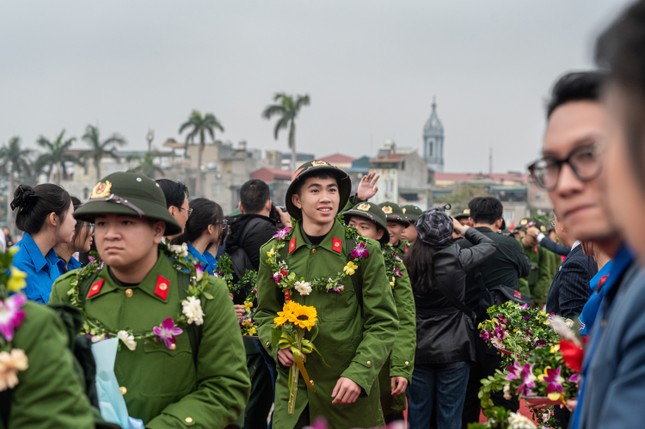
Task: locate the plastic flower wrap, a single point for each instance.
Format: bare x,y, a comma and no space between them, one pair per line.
291,325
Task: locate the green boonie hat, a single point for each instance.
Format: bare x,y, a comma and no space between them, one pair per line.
394,213
370,212
464,214
128,194
411,212
314,168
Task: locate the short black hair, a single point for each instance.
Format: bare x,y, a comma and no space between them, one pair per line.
576,86
253,195
205,213
35,204
175,192
619,49
486,209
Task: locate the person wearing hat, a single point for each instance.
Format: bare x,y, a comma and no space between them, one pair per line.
396,224
464,217
357,319
412,213
369,220
445,327
537,284
180,356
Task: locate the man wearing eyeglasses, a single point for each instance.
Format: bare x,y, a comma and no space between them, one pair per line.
176,194
571,168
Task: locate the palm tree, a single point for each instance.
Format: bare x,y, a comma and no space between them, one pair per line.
99,149
199,125
147,165
15,164
57,155
287,109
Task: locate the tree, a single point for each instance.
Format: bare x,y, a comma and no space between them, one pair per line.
56,156
15,164
199,126
147,165
100,149
286,109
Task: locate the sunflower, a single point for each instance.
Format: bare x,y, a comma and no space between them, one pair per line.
303,316
284,316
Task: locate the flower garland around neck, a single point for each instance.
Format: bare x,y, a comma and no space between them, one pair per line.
12,315
392,264
288,281
167,331
250,277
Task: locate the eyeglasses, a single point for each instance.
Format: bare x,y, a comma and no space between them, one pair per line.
584,162
189,211
122,201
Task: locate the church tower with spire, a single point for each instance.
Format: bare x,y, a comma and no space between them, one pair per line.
433,140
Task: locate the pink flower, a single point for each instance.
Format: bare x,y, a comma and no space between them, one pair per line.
167,332
279,275
360,251
485,335
553,380
397,272
524,373
11,315
10,364
283,233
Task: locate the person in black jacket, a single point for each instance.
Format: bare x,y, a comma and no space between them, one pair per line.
445,329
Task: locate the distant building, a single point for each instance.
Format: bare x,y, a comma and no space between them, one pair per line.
433,139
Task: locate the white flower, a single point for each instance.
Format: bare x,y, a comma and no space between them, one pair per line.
192,309
518,421
303,287
497,343
10,363
179,250
507,392
97,338
128,339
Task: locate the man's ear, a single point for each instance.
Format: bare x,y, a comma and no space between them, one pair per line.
239,207
498,223
267,205
159,227
295,200
379,233
172,210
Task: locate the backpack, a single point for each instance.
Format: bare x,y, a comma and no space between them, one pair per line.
240,261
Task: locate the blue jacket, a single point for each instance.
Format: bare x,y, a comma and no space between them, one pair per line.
41,270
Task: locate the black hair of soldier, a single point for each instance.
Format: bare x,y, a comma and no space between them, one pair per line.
619,49
175,192
33,210
486,210
254,194
205,213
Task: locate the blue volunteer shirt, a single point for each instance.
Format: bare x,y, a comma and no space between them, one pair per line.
71,265
202,259
41,270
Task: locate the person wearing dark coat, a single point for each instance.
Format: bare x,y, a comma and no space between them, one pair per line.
445,329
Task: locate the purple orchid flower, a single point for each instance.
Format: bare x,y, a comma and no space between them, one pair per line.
360,251
167,332
553,380
528,380
524,306
397,272
11,315
514,371
499,332
575,378
485,335
283,233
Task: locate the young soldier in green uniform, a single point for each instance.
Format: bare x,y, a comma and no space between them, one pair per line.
357,320
396,224
412,213
396,374
538,282
180,360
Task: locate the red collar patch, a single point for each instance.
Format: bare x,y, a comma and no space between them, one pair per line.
161,288
95,289
336,244
292,245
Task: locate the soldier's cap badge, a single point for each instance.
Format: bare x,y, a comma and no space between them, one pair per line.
319,163
364,207
101,190
387,209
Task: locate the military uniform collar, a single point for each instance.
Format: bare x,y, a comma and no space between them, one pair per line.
157,283
334,240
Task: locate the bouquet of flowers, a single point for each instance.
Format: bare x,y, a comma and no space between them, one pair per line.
225,271
529,341
289,333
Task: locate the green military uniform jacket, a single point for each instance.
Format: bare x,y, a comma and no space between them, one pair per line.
401,362
49,393
401,248
166,388
539,280
354,341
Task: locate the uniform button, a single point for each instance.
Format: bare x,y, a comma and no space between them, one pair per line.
407,363
123,390
188,419
369,363
129,293
163,286
313,251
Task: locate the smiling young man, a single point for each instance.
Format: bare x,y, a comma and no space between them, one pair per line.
357,321
180,357
396,225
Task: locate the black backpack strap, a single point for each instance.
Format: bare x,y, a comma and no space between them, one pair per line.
194,331
5,407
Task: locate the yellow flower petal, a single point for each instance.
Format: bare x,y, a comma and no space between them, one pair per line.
17,280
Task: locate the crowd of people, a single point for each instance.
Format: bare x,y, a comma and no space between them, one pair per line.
172,319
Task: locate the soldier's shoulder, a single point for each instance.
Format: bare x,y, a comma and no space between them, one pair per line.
64,282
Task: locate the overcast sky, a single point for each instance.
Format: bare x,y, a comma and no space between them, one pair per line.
371,68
